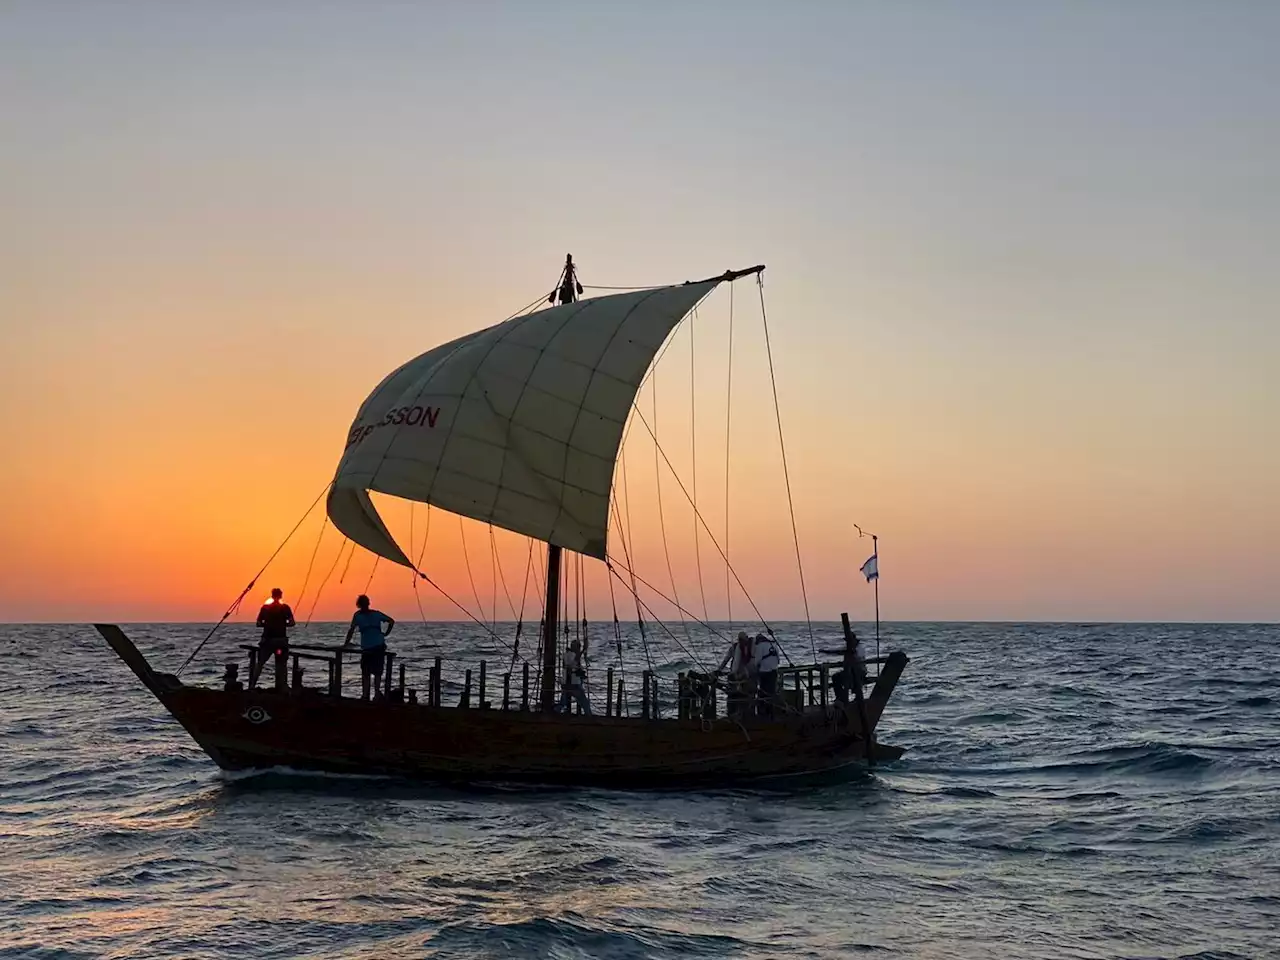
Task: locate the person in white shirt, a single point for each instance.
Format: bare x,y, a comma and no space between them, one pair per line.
765,657
739,658
575,675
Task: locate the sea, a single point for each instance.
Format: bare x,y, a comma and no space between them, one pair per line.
1067,791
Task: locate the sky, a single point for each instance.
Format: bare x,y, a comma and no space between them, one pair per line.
1021,293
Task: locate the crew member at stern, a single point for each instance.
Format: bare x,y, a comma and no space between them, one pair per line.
373,644
274,618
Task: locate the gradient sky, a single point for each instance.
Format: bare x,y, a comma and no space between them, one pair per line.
1021,288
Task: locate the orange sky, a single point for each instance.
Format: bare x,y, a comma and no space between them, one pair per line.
1027,337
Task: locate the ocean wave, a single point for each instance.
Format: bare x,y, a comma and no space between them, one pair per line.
1024,818
33,950
1255,702
998,717
575,937
1147,758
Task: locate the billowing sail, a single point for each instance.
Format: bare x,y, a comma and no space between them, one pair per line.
517,425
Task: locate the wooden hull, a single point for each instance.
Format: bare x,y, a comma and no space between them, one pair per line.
309,730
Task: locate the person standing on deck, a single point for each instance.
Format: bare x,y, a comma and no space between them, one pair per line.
274,618
373,644
575,676
855,669
739,659
765,656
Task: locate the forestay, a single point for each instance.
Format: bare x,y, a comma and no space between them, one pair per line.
517,425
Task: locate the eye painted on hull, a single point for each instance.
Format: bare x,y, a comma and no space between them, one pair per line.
256,715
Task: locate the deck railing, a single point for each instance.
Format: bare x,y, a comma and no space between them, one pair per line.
647,694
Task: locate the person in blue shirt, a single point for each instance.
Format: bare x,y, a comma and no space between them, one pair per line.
373,643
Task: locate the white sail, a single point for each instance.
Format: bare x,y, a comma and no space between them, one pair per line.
517,425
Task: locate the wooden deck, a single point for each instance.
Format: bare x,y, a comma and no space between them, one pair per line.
291,725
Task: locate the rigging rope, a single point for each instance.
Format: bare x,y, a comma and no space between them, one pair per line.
422,615
426,535
369,582
462,532
629,553
497,566
689,653
235,604
728,420
350,556
785,473
524,595
484,626
342,546
524,592
662,526
538,578
311,563
589,286
493,576
711,536
693,454
617,639
582,592
711,630
626,431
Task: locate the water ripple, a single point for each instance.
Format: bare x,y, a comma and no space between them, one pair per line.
1066,794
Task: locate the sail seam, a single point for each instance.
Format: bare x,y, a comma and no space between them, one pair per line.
591,380
475,372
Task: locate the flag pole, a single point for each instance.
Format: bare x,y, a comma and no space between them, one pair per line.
874,563
875,552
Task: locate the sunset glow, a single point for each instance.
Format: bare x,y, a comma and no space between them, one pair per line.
1034,352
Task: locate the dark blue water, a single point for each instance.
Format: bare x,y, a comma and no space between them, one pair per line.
1068,791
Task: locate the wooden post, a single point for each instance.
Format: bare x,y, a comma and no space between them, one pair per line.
856,682
387,684
810,686
413,695
547,696
481,702
437,684
621,701
682,703
253,669
824,678
711,697
506,691
645,680
402,681
608,700
332,692
466,690
524,688
296,674
337,674
282,680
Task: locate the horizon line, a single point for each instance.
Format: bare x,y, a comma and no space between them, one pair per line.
1102,622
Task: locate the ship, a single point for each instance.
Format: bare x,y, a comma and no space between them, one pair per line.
519,425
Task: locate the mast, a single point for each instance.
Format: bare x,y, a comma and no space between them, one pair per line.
566,292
